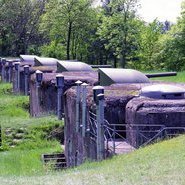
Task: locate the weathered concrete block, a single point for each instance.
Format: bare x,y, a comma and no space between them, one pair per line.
48,90
146,116
44,69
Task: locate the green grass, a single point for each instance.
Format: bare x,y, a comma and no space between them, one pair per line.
25,162
24,139
159,164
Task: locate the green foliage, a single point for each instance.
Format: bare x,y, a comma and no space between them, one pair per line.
69,23
53,50
118,29
5,88
149,35
168,53
19,25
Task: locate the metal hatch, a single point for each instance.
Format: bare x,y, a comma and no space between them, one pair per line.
43,61
28,58
163,91
72,66
108,76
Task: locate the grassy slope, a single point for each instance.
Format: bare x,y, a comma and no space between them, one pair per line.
25,158
160,164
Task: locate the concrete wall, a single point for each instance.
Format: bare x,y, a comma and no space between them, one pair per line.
48,90
150,113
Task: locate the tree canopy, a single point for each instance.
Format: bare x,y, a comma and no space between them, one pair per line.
75,29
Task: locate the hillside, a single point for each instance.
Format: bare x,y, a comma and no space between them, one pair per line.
162,163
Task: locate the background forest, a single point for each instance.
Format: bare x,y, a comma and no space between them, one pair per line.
75,29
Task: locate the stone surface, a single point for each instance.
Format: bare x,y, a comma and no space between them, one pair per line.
48,90
151,115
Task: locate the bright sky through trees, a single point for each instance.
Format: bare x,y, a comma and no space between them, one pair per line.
161,9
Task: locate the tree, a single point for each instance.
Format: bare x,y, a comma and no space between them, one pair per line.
170,48
118,27
69,23
148,37
19,25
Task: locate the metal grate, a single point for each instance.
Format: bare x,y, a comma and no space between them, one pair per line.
54,161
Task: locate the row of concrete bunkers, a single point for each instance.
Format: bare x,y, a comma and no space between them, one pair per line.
106,111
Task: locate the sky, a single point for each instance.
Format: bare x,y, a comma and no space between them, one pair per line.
161,9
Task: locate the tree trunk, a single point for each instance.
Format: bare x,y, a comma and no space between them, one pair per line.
115,62
123,59
69,40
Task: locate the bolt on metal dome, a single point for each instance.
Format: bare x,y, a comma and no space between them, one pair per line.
163,91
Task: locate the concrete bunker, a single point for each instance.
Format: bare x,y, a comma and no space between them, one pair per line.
116,99
159,110
126,114
22,73
47,94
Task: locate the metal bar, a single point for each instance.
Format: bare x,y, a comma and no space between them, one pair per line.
101,66
10,72
165,74
84,108
17,66
59,102
114,138
60,91
100,128
39,76
26,85
78,92
3,69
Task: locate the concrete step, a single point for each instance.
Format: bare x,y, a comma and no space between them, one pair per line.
121,147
